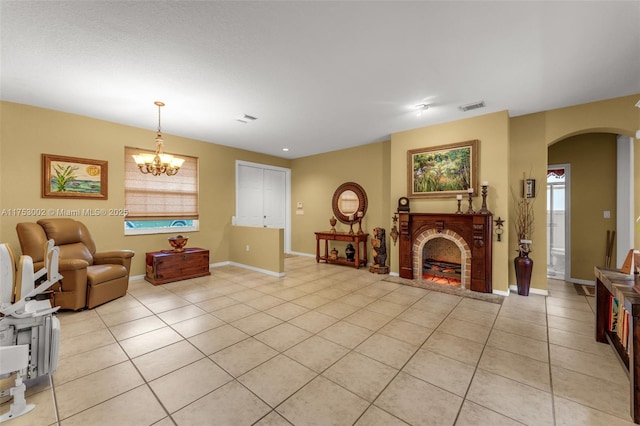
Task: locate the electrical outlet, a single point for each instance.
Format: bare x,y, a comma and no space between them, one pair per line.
607,214
247,247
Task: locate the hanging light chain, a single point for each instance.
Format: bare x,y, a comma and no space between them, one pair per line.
160,105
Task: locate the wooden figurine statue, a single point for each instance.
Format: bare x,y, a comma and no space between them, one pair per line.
379,249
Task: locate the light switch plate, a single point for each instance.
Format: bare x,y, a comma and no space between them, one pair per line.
607,214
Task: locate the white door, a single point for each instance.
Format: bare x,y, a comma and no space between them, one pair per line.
250,194
274,200
263,197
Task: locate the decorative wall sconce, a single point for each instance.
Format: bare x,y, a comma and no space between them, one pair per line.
529,188
499,223
394,230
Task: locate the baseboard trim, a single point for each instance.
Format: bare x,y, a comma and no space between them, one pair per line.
297,253
514,288
253,268
580,281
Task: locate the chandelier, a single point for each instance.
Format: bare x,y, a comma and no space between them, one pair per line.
158,163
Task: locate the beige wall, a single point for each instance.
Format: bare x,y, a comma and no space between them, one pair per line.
492,130
508,147
531,134
27,132
592,157
529,157
314,179
618,116
260,248
636,183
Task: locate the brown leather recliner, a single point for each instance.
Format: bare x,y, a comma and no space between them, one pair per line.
89,278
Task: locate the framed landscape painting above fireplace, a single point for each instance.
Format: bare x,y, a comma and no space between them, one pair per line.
443,171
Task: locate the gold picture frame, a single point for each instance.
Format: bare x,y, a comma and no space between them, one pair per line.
443,170
71,177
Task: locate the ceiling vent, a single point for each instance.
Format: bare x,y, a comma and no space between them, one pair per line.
469,107
245,118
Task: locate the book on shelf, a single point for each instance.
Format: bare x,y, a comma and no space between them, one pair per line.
625,330
613,313
619,318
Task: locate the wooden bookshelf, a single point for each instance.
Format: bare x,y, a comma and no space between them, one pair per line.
611,282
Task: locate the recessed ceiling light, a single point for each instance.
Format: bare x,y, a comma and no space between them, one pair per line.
285,149
421,108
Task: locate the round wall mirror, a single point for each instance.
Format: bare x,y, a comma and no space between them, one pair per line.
349,200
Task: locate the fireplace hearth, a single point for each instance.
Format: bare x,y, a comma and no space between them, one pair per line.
471,233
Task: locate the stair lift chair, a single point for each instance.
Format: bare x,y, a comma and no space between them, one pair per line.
90,278
29,332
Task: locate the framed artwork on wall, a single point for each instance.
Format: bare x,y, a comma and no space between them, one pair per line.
71,177
443,171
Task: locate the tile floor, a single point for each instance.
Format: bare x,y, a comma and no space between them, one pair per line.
329,345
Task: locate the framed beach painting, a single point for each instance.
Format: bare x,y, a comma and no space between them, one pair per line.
443,171
71,177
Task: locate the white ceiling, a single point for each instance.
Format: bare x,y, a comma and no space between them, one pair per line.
319,76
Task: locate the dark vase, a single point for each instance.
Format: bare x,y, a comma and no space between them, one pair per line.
350,252
524,266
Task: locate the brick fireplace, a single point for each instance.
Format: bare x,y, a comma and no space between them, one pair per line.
470,233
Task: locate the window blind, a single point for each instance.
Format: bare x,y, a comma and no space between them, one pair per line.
156,197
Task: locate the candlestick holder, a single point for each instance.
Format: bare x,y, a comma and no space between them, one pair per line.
351,227
470,210
484,209
333,222
459,202
360,226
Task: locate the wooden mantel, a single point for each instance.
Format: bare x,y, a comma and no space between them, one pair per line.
475,229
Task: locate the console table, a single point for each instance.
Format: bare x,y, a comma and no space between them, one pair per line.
167,265
360,257
611,282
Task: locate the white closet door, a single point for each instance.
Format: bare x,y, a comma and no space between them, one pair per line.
274,198
250,196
